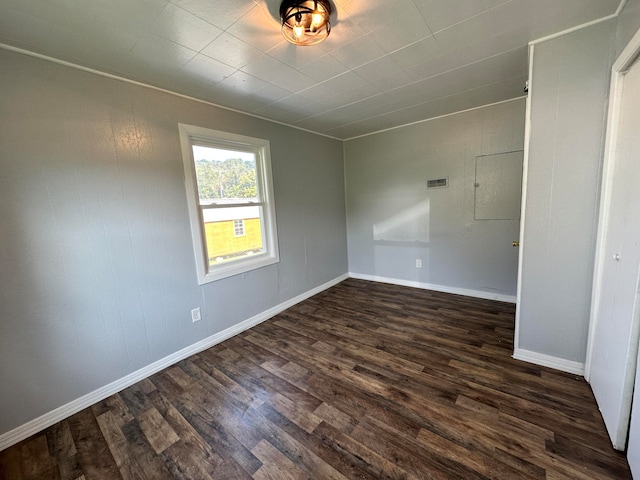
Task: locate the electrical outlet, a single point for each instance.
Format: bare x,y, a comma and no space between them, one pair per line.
196,316
418,263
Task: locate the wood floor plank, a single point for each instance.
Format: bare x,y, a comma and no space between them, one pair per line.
220,428
63,451
363,381
334,417
192,451
118,443
158,432
405,452
494,467
290,447
94,457
275,465
116,406
36,459
344,465
299,415
362,455
11,463
142,461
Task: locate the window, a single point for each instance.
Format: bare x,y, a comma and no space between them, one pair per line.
238,228
230,198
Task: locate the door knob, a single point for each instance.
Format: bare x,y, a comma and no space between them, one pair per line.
516,243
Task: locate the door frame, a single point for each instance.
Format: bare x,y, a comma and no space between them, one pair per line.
626,59
523,206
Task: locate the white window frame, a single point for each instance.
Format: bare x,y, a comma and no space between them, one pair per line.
190,135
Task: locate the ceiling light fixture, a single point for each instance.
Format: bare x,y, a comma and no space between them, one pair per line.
305,22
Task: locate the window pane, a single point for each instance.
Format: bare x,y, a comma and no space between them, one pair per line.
238,227
224,175
225,241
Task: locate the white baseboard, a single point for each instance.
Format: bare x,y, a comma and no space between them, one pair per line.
568,366
34,426
437,288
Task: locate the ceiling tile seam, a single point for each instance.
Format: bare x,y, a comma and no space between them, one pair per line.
391,21
195,52
403,86
316,83
461,67
198,52
345,105
71,31
413,84
262,6
236,69
388,54
348,70
410,44
218,60
356,87
147,29
423,19
435,118
222,30
225,31
465,20
422,103
342,11
292,67
112,76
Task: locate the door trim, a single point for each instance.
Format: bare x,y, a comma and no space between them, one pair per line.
523,202
624,62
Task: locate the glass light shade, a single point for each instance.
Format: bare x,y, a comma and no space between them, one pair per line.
305,22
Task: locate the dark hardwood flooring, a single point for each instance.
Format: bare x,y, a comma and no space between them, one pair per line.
363,381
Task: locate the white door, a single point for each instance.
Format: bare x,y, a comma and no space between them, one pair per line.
614,338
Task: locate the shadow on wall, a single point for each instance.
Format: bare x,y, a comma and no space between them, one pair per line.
400,240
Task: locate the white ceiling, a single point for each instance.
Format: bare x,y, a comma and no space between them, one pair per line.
386,62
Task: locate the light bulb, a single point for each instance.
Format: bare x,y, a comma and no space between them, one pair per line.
317,18
298,31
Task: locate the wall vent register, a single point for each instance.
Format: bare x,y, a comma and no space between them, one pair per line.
438,183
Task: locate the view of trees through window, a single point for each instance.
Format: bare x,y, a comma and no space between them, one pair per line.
224,174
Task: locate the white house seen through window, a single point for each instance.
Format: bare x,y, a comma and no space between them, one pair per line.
228,180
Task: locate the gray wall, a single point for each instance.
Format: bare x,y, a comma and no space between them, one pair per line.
394,220
98,273
628,24
569,92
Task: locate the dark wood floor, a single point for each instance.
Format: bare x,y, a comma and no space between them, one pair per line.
364,381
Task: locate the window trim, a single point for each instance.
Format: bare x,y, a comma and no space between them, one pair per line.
190,135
